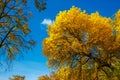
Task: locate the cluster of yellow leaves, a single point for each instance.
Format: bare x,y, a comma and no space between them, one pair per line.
117,25
61,76
25,29
44,78
17,77
12,36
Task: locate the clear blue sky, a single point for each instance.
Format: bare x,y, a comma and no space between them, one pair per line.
34,63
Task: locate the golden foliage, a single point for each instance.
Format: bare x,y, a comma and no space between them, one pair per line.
44,78
17,77
87,40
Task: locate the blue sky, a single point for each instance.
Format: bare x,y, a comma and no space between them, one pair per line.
34,63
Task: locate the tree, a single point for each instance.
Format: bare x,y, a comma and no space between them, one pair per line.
52,76
44,78
88,42
17,77
14,30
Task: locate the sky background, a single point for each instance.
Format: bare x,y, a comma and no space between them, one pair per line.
33,64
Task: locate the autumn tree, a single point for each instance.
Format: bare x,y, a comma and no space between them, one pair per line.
89,43
14,29
44,78
17,77
51,76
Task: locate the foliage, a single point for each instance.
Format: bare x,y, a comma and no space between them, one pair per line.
89,43
40,4
44,78
17,77
14,30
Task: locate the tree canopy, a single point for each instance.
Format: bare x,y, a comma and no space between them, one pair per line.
17,77
14,29
89,43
